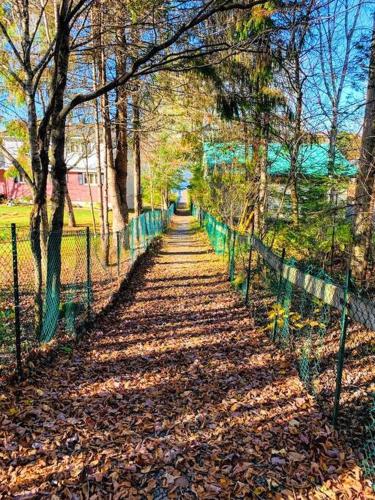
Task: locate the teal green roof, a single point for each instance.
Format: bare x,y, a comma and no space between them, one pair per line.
312,159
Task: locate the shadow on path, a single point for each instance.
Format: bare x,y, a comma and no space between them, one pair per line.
174,394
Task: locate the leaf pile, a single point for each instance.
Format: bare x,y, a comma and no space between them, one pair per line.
175,394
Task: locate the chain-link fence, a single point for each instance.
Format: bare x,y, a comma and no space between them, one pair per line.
328,327
34,311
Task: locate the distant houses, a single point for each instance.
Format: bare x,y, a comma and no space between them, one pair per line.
82,175
312,160
312,171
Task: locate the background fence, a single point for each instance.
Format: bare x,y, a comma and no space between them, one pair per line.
327,327
88,282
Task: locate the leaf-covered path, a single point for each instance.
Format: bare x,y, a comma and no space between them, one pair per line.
174,394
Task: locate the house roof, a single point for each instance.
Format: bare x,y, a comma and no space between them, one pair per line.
76,161
312,159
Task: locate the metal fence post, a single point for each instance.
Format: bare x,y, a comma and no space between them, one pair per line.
88,273
16,296
249,264
341,353
274,331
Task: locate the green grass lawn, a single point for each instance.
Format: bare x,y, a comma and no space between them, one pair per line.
20,215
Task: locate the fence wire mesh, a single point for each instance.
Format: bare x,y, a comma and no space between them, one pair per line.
92,269
327,327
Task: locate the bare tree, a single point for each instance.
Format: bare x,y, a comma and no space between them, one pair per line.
163,49
137,150
337,34
296,49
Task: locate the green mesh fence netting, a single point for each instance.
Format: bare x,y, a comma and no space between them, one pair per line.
314,319
7,333
74,287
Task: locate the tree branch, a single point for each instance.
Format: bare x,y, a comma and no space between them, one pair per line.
204,13
17,164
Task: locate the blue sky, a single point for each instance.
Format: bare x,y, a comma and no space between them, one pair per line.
353,95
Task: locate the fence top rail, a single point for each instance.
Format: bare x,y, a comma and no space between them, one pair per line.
361,310
23,231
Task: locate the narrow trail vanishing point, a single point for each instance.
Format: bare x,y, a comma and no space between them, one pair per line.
173,394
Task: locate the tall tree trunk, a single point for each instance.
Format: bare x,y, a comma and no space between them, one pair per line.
98,152
69,204
137,155
36,250
99,75
119,188
255,162
45,230
152,189
332,141
109,171
293,183
90,190
105,237
263,187
53,278
165,197
109,160
38,218
58,178
263,173
295,147
260,162
246,150
364,192
332,151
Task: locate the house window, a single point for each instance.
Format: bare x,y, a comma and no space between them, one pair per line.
89,178
75,147
20,179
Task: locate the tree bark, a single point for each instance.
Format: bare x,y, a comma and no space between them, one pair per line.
332,151
263,187
332,141
38,216
246,150
36,250
364,192
119,188
295,147
165,197
260,161
137,154
99,169
69,204
294,196
53,278
90,190
58,178
109,159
